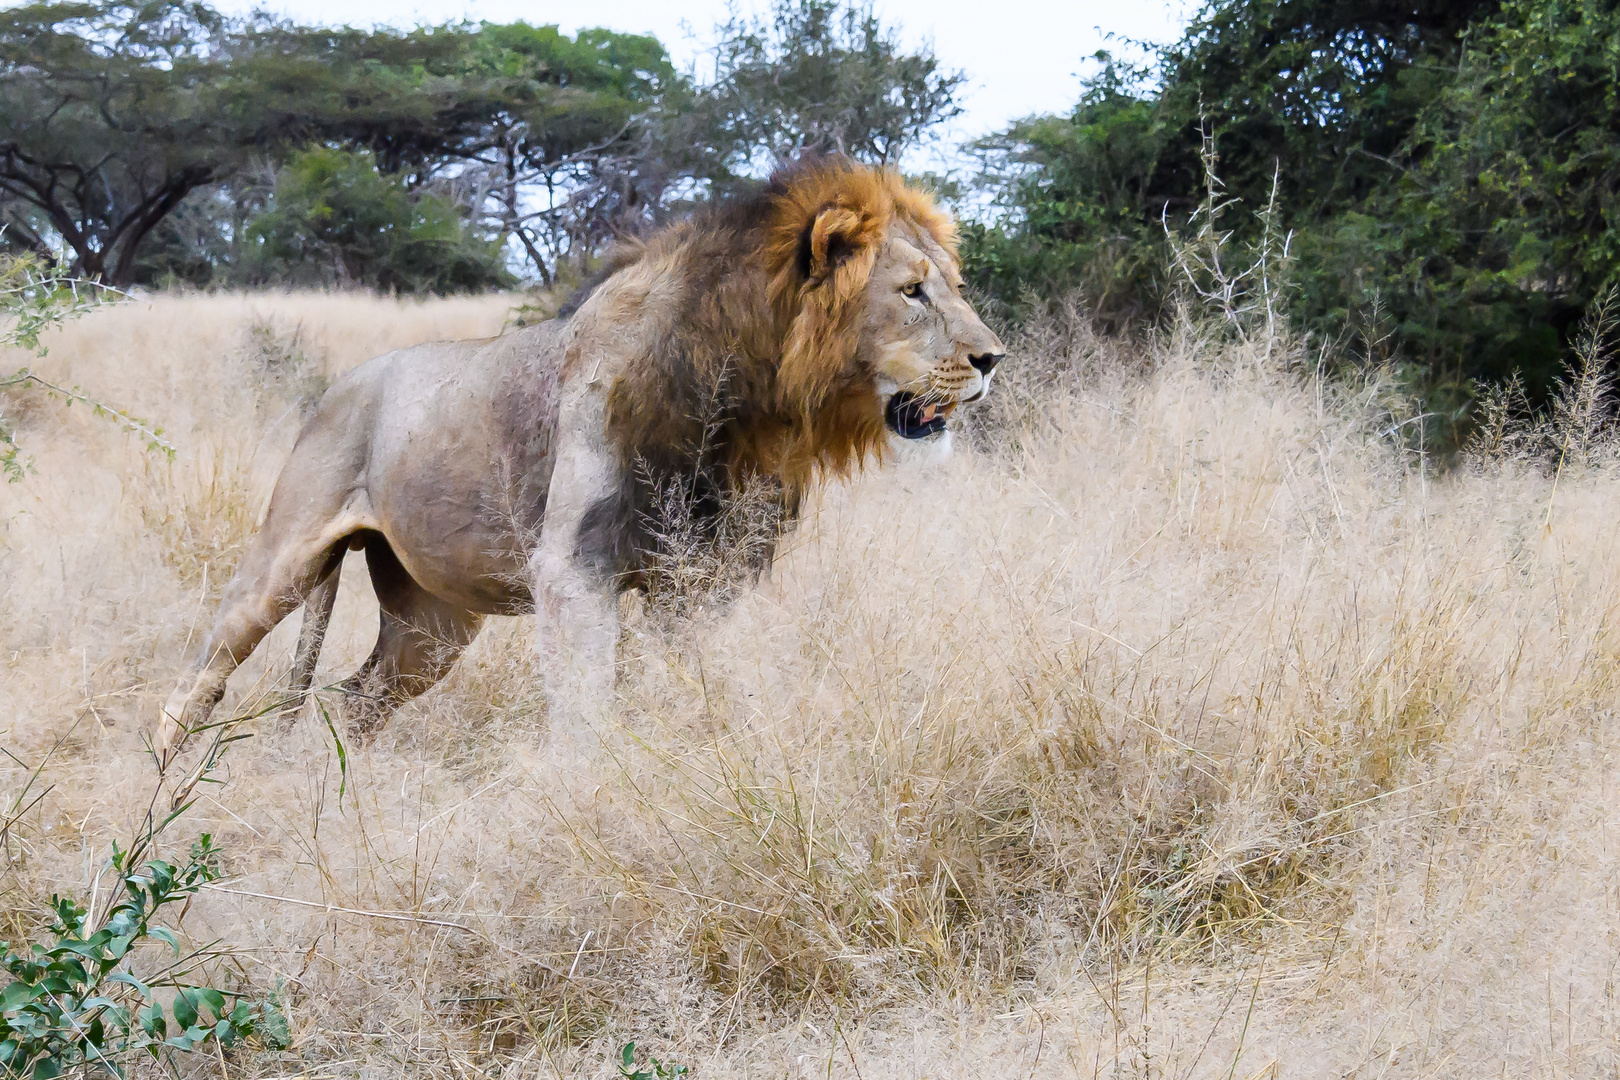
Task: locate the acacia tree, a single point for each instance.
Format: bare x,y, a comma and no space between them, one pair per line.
107,121
585,95
822,75
112,113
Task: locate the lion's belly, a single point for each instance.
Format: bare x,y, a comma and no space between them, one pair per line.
475,569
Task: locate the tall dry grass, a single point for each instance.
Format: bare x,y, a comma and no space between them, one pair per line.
1179,725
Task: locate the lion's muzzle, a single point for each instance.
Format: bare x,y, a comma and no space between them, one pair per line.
918,416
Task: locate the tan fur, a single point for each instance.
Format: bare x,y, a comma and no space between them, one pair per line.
756,343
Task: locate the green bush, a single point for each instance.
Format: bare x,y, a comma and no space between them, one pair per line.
1074,194
334,219
77,1003
1450,173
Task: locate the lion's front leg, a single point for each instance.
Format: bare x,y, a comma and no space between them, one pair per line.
575,602
578,640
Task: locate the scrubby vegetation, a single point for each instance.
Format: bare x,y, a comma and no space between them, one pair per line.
1447,169
1182,724
1235,702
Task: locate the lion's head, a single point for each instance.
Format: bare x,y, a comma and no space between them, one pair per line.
789,333
930,350
864,271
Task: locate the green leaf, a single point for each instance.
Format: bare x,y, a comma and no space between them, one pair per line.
342,754
130,980
184,1010
16,995
213,999
78,948
152,1020
167,936
99,1002
190,1038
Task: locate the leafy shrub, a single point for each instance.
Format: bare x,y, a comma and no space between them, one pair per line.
77,1003
335,219
1450,171
1077,201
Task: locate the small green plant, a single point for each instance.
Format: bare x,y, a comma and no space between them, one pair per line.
78,1004
655,1070
37,295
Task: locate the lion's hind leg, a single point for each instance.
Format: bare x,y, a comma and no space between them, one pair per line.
419,638
278,573
317,616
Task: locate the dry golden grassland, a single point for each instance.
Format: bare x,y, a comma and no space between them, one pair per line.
1177,726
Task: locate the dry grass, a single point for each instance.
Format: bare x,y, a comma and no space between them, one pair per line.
1175,727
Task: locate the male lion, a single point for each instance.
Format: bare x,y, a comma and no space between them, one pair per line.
765,342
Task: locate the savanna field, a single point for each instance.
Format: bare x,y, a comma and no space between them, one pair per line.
1186,722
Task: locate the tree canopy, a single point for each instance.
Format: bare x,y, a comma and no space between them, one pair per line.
1449,170
146,137
110,115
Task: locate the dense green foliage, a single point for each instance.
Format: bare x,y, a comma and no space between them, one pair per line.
1078,193
334,219
1503,228
1449,170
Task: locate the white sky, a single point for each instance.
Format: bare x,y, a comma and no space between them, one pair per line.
1021,56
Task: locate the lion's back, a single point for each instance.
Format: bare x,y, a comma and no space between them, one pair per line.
444,385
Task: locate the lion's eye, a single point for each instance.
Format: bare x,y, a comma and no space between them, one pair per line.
914,291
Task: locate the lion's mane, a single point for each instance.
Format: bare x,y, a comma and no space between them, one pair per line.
758,380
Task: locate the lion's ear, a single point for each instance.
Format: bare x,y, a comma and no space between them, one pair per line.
834,235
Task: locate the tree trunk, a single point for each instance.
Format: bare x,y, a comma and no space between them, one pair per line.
138,224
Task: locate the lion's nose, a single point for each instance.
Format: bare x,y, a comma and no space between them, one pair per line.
986,362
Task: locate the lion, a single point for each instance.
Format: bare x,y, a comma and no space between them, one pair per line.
770,341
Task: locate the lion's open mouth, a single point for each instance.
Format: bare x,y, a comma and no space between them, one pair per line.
910,418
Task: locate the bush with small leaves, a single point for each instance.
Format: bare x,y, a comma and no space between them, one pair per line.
78,1003
36,295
